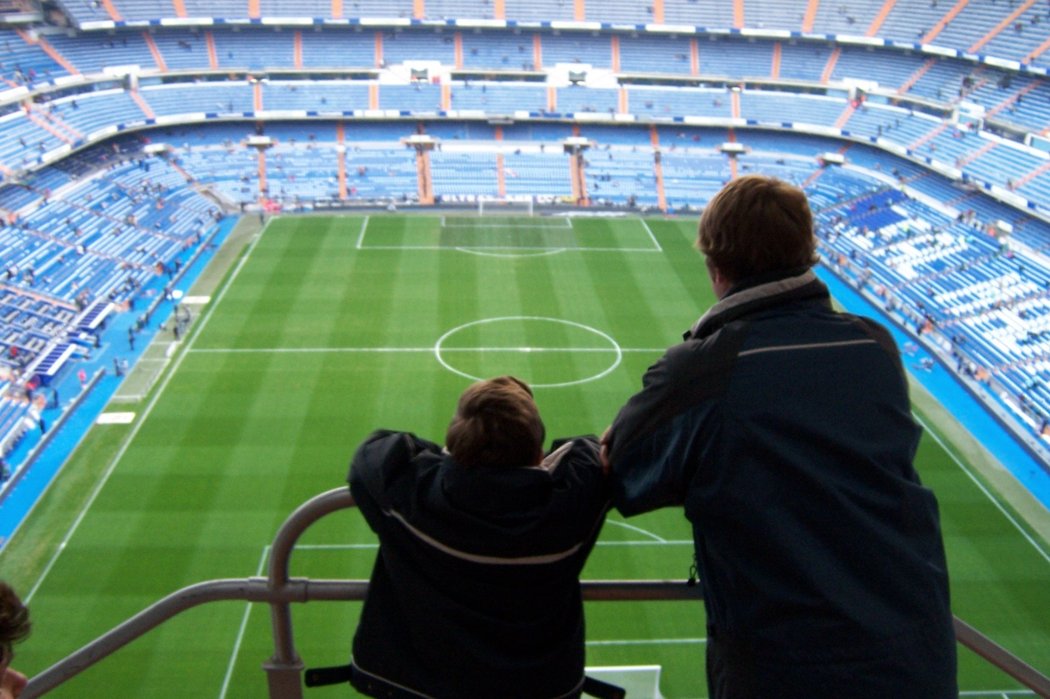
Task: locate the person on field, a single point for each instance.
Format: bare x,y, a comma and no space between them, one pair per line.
784,430
475,590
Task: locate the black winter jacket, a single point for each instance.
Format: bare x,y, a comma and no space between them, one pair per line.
784,429
475,590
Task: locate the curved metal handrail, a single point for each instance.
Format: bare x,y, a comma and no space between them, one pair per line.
284,668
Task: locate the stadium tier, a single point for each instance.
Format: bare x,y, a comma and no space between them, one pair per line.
131,129
907,101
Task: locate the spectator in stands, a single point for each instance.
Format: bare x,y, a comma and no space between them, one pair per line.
14,627
475,590
784,429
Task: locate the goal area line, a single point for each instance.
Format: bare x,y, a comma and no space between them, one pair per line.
507,220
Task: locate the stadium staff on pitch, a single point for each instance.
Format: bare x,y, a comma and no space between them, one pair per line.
14,627
475,590
784,429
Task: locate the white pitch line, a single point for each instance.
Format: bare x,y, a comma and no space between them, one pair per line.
507,248
482,252
361,235
655,541
659,248
313,350
138,425
497,226
414,350
242,630
1035,544
649,642
335,547
639,530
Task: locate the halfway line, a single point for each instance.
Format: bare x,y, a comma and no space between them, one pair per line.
411,350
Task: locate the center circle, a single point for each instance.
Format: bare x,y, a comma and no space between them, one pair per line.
544,352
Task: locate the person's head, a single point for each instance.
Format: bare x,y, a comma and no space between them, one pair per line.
496,423
756,225
14,627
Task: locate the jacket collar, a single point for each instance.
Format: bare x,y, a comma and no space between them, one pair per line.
759,294
497,489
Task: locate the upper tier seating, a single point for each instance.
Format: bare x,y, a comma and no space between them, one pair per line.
1012,98
997,29
919,255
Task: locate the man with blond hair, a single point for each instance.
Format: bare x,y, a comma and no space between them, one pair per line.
475,590
784,429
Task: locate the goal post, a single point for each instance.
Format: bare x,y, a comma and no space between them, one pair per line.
506,207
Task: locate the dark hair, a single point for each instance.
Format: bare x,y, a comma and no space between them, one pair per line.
756,225
496,424
14,621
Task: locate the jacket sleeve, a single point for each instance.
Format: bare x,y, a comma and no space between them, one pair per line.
653,440
582,489
584,463
384,458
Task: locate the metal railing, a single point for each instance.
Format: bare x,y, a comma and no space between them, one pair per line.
284,669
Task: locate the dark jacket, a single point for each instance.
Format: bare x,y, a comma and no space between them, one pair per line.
784,429
475,590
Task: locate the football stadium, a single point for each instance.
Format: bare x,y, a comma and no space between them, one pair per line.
238,237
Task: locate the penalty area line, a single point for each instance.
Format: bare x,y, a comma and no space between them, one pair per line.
361,234
655,541
659,248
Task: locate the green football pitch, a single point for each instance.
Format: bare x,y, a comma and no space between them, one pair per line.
318,330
